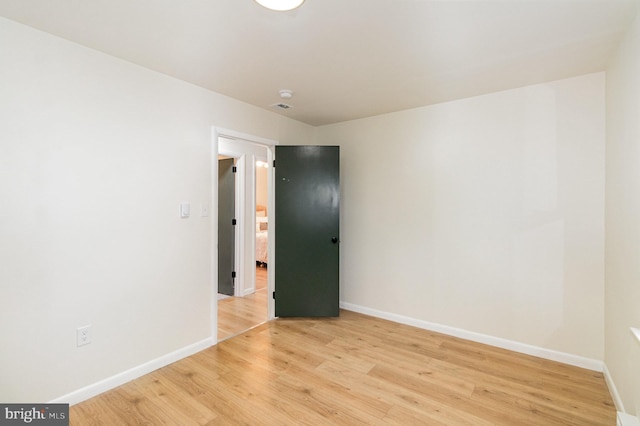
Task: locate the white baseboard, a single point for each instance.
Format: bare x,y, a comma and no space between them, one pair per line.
623,419
612,389
133,373
565,358
627,420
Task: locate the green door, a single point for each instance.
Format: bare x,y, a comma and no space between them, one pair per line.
226,229
307,222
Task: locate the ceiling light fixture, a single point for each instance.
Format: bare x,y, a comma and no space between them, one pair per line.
280,5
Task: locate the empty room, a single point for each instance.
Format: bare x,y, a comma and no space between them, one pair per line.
428,212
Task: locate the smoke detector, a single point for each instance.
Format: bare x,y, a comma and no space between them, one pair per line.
286,94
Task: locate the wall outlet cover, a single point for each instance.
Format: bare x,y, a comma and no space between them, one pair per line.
83,335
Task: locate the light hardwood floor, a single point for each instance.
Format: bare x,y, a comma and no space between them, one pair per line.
238,314
354,370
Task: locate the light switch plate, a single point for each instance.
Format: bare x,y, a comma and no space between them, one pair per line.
185,209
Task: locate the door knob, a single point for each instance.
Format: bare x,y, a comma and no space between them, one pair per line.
334,240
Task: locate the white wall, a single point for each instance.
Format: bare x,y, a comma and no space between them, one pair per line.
622,350
484,214
95,156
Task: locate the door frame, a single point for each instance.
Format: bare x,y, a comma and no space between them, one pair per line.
216,133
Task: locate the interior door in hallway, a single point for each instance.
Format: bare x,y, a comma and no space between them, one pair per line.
226,228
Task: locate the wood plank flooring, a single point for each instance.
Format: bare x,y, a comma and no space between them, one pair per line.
238,314
354,370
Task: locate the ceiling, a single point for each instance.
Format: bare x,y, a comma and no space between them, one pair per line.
344,59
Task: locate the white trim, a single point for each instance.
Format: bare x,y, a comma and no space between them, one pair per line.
232,134
636,333
240,230
250,254
625,419
578,361
112,382
213,244
612,389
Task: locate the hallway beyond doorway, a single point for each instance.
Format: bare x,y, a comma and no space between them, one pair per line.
239,314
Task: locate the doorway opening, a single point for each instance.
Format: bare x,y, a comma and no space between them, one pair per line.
249,305
262,224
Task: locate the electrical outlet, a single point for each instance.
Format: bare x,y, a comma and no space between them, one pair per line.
83,335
